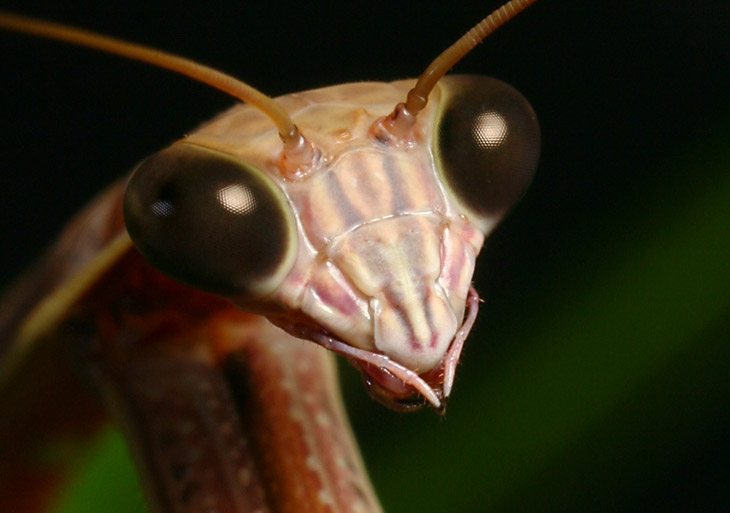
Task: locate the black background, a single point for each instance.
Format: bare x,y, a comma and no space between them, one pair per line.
621,89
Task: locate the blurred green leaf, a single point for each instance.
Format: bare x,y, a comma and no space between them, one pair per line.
106,480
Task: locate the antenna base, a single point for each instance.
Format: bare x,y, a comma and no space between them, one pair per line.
397,128
299,157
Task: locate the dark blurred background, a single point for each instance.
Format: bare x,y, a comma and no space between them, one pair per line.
597,378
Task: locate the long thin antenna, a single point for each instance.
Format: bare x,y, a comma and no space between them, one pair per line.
418,96
288,131
397,127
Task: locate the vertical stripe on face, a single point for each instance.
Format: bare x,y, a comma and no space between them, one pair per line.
396,182
364,186
396,262
458,259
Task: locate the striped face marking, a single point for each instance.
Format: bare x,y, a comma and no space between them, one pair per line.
383,242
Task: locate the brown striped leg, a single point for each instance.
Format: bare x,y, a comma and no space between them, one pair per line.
264,430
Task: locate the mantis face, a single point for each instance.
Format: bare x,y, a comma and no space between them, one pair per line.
371,250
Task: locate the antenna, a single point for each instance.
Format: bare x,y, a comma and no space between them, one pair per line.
398,124
297,150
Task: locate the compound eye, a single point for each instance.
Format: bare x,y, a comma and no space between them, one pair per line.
211,220
487,143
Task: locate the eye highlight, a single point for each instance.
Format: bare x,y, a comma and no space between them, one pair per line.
489,130
210,220
486,145
237,199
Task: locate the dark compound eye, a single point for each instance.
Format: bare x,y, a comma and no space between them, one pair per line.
487,144
211,221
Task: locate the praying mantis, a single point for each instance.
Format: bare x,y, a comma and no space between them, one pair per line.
332,272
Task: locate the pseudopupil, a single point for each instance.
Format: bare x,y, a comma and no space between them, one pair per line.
489,130
237,199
